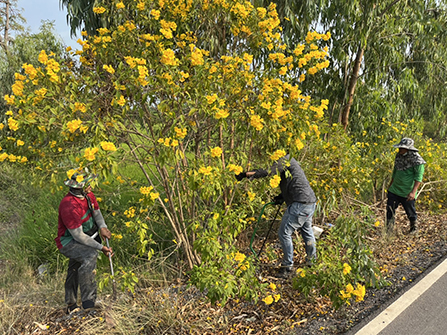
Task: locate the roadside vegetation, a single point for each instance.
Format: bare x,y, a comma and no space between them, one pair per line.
167,109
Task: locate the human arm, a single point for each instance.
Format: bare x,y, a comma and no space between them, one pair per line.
412,194
418,174
82,238
255,174
100,222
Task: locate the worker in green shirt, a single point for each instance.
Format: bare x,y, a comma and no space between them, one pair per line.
407,176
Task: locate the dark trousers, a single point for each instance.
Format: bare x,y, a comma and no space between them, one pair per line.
81,273
393,202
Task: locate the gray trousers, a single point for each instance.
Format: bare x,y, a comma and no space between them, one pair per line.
81,273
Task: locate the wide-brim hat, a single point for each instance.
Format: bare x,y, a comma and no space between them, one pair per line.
406,143
80,180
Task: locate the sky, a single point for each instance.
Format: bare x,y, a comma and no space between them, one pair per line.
34,11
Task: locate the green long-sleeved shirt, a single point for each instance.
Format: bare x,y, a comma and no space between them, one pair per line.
403,180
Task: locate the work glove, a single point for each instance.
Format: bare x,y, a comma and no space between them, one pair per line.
241,176
278,200
260,173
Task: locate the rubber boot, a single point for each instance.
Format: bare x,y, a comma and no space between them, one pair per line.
413,226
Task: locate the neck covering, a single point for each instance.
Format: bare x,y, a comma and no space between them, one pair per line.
77,192
408,160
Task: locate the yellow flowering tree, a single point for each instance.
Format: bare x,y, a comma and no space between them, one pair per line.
155,92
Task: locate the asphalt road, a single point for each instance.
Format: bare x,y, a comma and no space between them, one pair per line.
422,309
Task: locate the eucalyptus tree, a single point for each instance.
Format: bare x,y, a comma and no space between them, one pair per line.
11,21
80,17
384,55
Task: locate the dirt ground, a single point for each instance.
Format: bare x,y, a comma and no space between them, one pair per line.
402,258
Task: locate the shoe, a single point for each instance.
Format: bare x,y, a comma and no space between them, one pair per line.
284,271
88,305
413,226
72,308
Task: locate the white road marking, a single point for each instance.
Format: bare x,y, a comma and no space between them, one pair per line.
376,325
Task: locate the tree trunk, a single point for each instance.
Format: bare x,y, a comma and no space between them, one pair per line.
5,40
351,88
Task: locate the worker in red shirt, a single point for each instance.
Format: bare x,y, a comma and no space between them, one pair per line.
80,224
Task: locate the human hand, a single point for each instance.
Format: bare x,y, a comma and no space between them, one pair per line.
105,233
241,176
107,251
411,196
278,200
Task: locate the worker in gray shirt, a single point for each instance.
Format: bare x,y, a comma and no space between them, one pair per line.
300,199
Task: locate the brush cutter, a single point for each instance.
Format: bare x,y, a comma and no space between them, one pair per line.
113,273
268,232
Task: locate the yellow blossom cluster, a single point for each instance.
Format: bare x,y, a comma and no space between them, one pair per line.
242,261
13,124
346,268
155,13
10,99
205,170
257,122
168,57
13,158
274,181
300,272
17,88
221,113
99,10
358,292
277,154
196,55
235,168
180,132
319,110
108,68
74,125
216,152
251,196
167,28
89,153
108,146
168,142
143,72
30,70
79,106
146,190
133,61
52,66
313,35
130,213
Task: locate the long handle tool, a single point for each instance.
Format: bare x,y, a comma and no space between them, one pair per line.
270,229
113,273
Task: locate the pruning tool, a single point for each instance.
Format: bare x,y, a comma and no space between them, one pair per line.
113,273
268,232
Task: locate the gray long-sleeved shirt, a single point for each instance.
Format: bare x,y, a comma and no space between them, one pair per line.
294,185
81,237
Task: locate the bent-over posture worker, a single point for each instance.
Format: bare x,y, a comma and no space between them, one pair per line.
300,199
